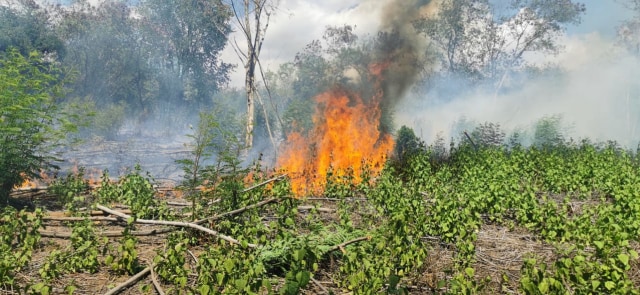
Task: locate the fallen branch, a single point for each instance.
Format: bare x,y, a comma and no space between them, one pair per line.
237,211
308,208
341,246
92,218
156,283
109,234
130,282
174,223
334,199
264,182
320,286
56,214
189,204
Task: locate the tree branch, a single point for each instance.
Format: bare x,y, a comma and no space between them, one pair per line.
341,246
175,223
109,234
130,282
216,217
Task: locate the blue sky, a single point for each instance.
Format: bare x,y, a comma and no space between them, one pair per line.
602,16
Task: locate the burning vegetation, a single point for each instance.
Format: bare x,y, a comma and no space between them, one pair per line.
346,138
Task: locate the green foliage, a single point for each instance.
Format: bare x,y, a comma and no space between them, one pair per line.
548,132
472,39
407,145
125,260
221,271
28,30
19,237
70,190
107,122
80,256
488,135
211,141
30,121
134,190
170,262
196,33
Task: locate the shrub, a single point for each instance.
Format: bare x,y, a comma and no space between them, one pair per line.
30,121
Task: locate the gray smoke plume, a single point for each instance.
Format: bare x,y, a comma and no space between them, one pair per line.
399,47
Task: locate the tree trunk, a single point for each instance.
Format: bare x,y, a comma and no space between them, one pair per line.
250,86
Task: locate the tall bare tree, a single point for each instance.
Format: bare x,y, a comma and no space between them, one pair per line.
252,17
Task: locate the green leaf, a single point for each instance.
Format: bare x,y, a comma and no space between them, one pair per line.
595,284
240,284
609,285
599,244
228,266
204,289
544,286
303,277
624,258
469,271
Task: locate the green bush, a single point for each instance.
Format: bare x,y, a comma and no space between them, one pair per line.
30,121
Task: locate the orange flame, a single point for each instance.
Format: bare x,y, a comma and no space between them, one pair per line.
345,137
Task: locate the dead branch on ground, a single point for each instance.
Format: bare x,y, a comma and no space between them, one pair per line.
108,234
130,282
237,211
174,223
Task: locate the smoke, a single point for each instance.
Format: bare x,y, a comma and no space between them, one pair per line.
595,90
400,47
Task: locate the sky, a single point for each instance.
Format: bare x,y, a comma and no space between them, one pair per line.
298,22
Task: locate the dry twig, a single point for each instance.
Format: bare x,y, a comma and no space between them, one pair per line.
341,246
130,282
109,234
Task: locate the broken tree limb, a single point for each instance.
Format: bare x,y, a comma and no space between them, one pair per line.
130,282
155,281
341,246
264,182
58,214
108,234
320,209
175,223
92,218
237,211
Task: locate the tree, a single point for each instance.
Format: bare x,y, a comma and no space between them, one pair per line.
30,119
110,59
629,31
28,30
191,35
252,17
479,42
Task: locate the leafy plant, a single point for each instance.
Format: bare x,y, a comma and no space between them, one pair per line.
125,260
19,237
30,119
81,256
71,190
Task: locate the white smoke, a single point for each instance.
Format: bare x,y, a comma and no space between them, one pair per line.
597,94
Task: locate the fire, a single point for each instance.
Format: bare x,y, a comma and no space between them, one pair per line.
346,137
